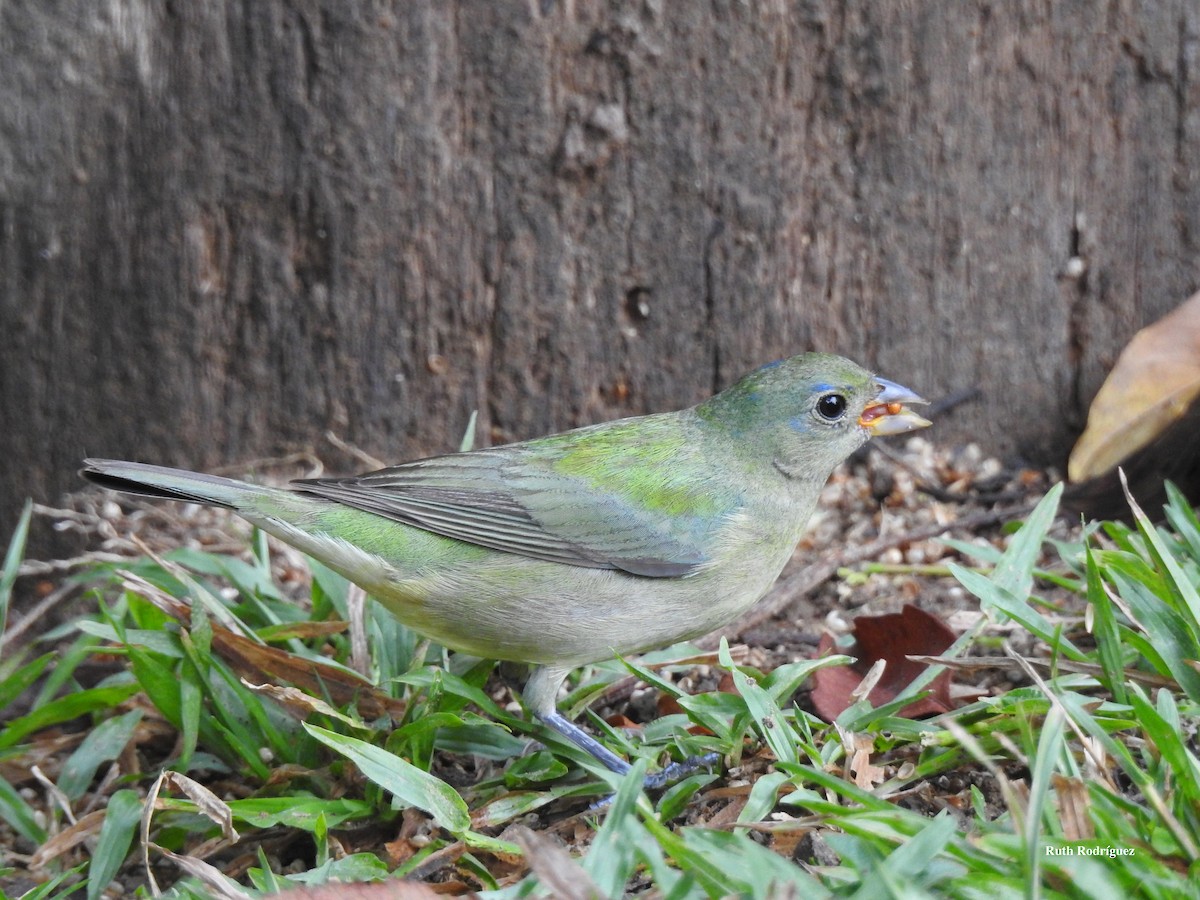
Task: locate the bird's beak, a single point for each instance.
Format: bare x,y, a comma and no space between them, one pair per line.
888,414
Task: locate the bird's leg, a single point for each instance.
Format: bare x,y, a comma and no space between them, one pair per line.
541,699
584,741
541,693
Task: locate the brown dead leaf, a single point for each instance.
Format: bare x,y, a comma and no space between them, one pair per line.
295,701
892,639
45,749
252,661
726,814
556,870
668,705
216,883
1155,381
256,662
306,630
620,720
412,836
207,803
858,749
70,837
1074,804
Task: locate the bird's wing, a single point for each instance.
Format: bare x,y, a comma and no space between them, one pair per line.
605,497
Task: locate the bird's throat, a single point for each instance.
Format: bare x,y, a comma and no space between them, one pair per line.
795,472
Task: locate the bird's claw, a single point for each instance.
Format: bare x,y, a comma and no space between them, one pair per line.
679,770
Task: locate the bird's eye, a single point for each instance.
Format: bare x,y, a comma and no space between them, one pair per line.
831,407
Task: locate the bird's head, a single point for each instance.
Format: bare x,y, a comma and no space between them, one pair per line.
808,413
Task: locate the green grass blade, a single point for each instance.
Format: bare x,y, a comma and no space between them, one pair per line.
746,869
191,695
766,713
159,683
1014,571
19,681
898,856
1105,630
763,797
158,642
121,820
468,439
1181,587
1163,725
12,562
1050,747
247,715
611,860
410,785
64,709
1077,705
839,785
61,678
299,810
913,856
1168,643
19,815
103,744
1183,519
995,595
49,890
712,877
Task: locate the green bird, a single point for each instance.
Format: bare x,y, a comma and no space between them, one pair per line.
607,540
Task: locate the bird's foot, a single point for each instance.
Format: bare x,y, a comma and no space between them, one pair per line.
680,770
654,781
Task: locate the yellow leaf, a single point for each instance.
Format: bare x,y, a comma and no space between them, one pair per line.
1155,380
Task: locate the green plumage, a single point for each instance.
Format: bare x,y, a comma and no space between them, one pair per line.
566,549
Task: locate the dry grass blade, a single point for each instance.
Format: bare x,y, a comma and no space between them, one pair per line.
974,663
1073,808
83,830
207,803
253,661
360,651
220,886
554,867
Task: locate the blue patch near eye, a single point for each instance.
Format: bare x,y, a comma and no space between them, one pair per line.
798,423
822,388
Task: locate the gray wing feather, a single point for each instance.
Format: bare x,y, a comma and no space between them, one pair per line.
478,498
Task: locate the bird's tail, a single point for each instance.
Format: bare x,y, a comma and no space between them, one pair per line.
170,484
